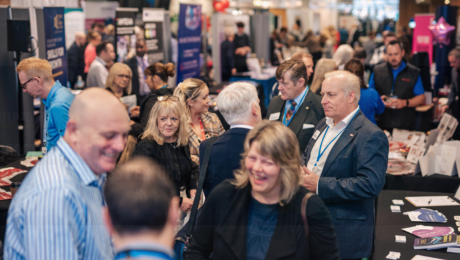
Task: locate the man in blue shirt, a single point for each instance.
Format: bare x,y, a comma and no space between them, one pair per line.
400,87
36,78
141,212
57,212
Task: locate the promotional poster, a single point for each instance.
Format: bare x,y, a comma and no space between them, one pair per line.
56,52
423,39
124,32
189,40
153,34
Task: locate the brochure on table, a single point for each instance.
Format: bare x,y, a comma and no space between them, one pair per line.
440,159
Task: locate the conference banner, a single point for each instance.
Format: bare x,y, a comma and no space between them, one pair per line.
96,12
423,38
153,34
124,32
55,47
189,40
74,20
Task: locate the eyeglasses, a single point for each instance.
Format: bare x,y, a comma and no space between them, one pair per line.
25,83
124,76
164,98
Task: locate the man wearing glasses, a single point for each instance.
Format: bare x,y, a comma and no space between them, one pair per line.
35,77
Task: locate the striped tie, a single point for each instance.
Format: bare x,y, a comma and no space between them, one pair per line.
290,111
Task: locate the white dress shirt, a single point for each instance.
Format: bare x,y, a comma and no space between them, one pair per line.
241,126
142,64
331,133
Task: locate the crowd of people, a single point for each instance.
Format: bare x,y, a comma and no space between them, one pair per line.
321,142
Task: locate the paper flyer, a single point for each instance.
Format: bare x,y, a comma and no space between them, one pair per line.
429,231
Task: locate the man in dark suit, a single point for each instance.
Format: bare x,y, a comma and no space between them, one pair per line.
452,103
138,64
76,58
296,107
240,108
345,164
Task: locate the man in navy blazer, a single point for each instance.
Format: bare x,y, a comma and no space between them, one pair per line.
239,105
345,164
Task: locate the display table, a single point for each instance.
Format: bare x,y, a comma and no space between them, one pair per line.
267,85
5,204
389,224
432,183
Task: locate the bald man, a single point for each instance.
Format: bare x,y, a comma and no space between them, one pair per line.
57,212
76,59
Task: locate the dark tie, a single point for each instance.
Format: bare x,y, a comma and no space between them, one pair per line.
290,111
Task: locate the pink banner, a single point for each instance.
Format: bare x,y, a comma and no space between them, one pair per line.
422,37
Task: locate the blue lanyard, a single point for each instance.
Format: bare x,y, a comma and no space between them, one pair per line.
142,253
286,109
320,154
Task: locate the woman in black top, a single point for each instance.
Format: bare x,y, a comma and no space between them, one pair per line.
165,140
157,77
258,215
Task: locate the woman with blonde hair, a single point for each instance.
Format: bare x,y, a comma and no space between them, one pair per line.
119,80
259,215
165,140
322,67
193,95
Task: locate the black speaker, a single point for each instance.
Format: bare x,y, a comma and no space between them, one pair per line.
18,32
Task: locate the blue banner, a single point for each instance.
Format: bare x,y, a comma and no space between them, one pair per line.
189,40
56,52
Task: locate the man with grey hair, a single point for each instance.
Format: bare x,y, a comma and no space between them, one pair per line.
454,60
76,58
227,60
345,164
239,106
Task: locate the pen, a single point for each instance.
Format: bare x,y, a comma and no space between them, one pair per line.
429,201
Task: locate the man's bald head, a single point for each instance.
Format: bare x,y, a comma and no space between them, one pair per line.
80,38
97,129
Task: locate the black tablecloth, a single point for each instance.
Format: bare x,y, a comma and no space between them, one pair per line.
433,183
389,224
5,204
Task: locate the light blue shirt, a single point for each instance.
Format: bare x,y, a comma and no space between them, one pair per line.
57,106
418,88
57,212
298,100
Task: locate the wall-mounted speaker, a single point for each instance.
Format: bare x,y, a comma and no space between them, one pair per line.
18,32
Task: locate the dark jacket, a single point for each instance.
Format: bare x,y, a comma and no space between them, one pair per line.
151,149
76,63
132,63
305,119
225,157
453,95
221,228
352,177
403,118
227,53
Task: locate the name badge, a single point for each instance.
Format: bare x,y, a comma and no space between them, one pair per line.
275,116
44,150
317,133
308,126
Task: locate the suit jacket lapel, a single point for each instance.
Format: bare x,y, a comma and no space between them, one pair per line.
347,136
301,114
232,227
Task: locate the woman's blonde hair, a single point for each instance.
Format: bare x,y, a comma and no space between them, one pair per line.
161,107
321,68
116,69
279,143
190,89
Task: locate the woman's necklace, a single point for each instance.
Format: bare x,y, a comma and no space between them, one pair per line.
174,146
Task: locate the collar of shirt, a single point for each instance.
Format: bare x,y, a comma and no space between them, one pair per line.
298,99
343,123
401,67
57,85
101,61
142,59
139,245
241,126
82,169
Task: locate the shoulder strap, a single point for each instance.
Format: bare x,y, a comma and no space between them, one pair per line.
303,211
203,170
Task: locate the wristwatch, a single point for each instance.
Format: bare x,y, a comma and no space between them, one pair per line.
407,102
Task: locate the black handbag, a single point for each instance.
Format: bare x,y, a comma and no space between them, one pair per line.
185,234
